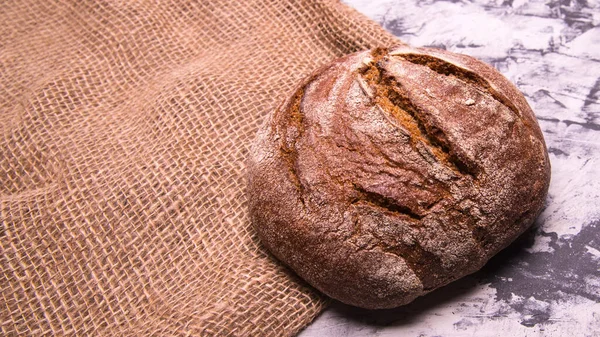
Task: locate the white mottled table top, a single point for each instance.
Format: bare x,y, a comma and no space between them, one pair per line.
548,282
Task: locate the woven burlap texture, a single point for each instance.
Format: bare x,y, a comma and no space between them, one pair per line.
124,132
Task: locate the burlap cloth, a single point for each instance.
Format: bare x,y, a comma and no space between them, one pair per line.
124,131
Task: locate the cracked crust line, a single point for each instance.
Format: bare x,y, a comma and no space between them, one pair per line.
287,146
388,95
385,203
469,77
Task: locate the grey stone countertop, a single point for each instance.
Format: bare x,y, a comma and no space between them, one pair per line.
548,282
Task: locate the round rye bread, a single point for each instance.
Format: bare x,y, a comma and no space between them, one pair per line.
392,172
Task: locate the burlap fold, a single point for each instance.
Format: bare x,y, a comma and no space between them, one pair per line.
124,131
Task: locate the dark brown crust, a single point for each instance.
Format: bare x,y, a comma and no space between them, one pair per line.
390,173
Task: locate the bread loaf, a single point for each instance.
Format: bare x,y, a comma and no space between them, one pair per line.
391,172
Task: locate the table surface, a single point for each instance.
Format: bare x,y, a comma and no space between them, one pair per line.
548,282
